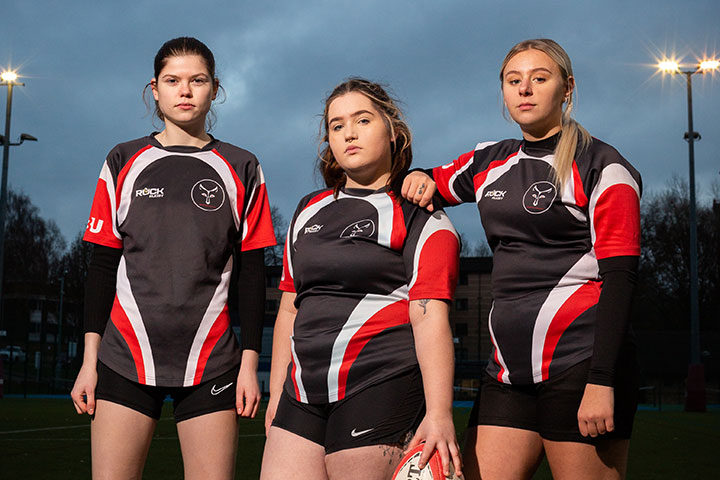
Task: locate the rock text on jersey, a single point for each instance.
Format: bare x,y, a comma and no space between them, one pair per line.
151,192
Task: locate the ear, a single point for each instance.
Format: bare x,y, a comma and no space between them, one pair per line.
216,86
153,87
569,88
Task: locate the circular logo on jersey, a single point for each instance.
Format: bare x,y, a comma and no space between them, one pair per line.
208,195
361,228
539,197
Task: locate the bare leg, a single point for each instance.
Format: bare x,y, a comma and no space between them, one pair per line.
376,462
291,456
209,444
119,438
501,453
605,461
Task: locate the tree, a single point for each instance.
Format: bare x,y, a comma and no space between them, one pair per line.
274,255
473,249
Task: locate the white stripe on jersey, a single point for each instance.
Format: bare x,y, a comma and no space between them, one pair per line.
153,154
367,307
383,203
110,187
568,198
259,180
298,372
213,311
453,177
127,302
437,222
613,174
307,214
506,373
578,275
498,172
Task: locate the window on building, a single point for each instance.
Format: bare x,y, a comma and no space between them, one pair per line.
461,329
461,304
271,306
463,278
272,280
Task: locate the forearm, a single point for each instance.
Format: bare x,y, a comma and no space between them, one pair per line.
251,297
281,352
90,351
435,353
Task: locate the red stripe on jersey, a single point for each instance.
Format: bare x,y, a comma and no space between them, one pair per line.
121,321
287,283
293,371
100,225
124,172
259,223
240,200
221,324
318,197
617,222
437,273
391,316
480,177
443,176
497,362
583,298
399,232
580,198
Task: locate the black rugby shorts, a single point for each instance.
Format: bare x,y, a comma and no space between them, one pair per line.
211,396
386,413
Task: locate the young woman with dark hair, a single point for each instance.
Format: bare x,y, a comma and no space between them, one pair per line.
362,362
175,214
561,213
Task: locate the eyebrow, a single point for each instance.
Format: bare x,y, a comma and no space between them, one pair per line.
358,113
531,71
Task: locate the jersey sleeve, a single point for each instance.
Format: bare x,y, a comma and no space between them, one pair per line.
102,225
455,179
614,207
431,254
257,228
287,283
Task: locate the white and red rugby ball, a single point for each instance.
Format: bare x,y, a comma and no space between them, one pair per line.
408,468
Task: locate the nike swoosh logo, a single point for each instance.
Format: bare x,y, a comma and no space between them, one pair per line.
216,391
361,432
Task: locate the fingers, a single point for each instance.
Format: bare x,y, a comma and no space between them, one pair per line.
456,459
90,394
444,458
427,452
595,427
419,188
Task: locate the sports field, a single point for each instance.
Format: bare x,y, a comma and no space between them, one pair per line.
45,439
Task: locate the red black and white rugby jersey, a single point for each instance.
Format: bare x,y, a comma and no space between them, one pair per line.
177,213
546,246
355,262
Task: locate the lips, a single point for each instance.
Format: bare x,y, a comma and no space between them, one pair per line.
352,149
525,106
185,106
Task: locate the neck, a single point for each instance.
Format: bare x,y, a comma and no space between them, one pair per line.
192,136
372,183
540,134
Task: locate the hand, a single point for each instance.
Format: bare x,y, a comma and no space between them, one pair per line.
438,433
595,415
270,412
247,391
418,188
83,392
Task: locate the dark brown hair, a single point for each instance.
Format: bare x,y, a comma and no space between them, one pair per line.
400,149
177,47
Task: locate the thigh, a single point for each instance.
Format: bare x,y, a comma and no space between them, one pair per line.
120,438
375,462
385,414
288,455
495,452
604,460
209,444
214,395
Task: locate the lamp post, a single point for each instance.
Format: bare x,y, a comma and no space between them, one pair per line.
9,79
695,399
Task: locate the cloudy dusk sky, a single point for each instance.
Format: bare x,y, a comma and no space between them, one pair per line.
85,63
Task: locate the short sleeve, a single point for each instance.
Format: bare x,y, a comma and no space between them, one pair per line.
102,225
431,256
257,224
287,283
455,179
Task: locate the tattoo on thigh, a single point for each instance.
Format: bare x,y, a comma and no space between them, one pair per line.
423,303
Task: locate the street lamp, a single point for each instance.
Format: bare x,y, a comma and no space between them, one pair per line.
695,399
9,79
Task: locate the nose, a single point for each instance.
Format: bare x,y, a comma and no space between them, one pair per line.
525,87
185,89
350,132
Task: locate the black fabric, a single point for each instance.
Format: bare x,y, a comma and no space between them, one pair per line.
619,276
250,285
100,287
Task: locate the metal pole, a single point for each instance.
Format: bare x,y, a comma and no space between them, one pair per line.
3,196
58,348
695,399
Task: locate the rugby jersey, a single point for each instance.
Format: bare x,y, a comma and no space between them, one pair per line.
177,213
546,245
355,262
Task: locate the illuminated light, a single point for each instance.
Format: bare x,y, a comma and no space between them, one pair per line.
668,66
709,65
9,76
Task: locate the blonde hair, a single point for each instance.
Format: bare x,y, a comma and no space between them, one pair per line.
574,139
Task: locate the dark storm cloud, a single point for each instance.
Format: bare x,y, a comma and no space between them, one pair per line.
88,62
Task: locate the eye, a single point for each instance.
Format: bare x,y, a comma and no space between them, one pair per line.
170,80
199,81
335,127
364,121
513,81
539,79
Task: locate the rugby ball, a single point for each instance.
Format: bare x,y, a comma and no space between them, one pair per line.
408,468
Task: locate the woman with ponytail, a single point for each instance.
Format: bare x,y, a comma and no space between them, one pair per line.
561,213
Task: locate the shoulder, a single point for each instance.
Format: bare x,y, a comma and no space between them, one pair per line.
234,154
126,151
314,198
601,159
488,152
